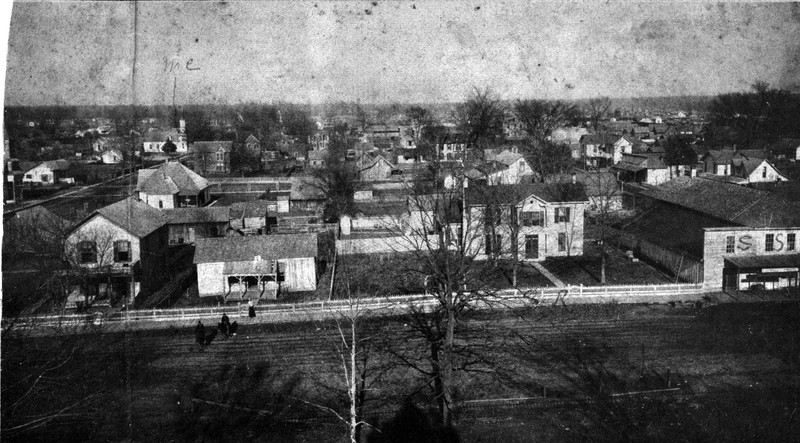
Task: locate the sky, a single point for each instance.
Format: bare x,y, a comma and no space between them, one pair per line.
147,52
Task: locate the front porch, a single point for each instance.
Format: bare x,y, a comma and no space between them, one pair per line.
258,280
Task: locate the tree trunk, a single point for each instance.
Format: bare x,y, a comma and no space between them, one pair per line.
353,386
602,265
447,373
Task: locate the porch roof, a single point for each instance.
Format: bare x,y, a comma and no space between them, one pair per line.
263,267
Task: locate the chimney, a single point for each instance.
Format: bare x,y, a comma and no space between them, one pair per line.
574,178
182,126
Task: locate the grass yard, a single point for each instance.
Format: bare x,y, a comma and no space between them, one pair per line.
585,269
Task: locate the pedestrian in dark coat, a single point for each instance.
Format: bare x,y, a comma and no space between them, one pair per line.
251,309
225,320
200,333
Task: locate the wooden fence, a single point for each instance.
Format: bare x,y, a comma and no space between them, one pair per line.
397,304
686,267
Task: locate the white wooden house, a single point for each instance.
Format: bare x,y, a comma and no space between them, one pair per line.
119,251
172,185
256,266
547,220
48,173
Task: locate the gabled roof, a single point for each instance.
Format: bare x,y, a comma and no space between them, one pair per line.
749,165
377,159
729,202
55,165
246,248
506,157
251,139
595,183
479,195
170,178
38,216
132,215
599,139
25,165
638,162
161,135
214,214
725,156
211,146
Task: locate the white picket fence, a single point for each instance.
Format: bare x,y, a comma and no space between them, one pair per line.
285,312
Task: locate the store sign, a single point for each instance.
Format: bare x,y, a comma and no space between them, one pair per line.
780,270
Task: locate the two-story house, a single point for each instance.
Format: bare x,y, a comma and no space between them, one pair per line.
537,220
117,253
172,185
212,157
319,141
505,168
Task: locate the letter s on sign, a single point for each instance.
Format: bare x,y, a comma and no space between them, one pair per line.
745,242
778,242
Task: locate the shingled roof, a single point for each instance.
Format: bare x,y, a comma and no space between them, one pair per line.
170,178
198,215
268,247
211,146
733,203
512,194
136,217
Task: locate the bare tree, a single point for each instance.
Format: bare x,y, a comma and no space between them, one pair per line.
338,181
481,118
418,118
541,117
597,110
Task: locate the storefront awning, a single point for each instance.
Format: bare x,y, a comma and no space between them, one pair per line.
763,261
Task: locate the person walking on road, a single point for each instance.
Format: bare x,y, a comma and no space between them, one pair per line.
200,333
251,309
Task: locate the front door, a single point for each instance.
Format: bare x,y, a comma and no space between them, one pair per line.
531,246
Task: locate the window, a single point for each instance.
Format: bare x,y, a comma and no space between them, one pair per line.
122,251
562,241
29,176
764,172
160,204
562,215
730,244
493,244
220,156
769,244
87,250
790,242
493,215
45,178
533,218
